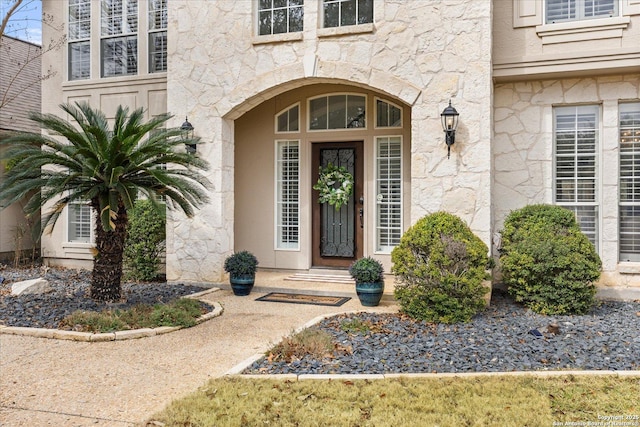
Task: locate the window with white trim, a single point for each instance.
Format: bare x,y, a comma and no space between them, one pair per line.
578,10
157,36
288,194
288,120
79,43
280,16
119,43
341,13
79,222
576,139
387,114
629,208
388,164
342,111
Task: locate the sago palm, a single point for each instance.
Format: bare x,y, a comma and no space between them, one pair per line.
107,167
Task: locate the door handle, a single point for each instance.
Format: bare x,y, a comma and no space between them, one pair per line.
361,217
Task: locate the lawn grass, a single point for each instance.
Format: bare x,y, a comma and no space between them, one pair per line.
470,401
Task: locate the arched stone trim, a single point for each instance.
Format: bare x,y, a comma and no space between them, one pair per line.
268,85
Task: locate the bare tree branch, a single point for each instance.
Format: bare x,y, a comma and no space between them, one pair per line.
5,20
17,64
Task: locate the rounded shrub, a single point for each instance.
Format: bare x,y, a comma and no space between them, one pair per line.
145,242
439,267
547,263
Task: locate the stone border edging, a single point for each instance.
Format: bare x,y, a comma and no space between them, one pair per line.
355,377
112,336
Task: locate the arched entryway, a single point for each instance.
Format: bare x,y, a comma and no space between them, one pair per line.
280,147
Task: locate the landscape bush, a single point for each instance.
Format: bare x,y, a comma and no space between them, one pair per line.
145,242
440,266
547,263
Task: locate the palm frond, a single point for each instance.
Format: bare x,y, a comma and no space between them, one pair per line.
87,160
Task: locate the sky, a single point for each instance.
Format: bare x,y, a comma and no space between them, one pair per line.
27,23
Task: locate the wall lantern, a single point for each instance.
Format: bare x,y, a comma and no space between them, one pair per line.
449,119
187,132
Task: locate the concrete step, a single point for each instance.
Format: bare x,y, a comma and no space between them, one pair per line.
306,277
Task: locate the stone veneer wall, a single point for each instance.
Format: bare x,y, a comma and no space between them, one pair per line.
422,53
523,152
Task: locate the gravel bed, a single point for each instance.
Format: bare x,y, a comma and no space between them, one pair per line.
70,293
498,340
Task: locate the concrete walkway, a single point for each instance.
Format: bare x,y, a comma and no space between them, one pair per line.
46,382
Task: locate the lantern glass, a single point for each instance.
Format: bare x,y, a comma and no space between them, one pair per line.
449,118
187,132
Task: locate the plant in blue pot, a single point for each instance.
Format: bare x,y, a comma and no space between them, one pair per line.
241,267
369,276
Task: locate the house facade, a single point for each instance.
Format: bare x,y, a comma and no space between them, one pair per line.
19,95
279,91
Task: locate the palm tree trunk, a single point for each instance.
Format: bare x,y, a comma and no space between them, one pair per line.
107,264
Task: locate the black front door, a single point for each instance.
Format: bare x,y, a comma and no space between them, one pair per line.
337,233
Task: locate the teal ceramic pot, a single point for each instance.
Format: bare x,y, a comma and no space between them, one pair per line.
242,284
370,293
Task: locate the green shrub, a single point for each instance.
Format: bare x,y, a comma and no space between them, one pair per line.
240,263
547,263
440,266
367,270
145,242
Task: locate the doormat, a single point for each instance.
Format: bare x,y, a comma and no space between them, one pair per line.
304,299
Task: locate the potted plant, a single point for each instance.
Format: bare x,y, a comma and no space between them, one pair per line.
241,267
368,274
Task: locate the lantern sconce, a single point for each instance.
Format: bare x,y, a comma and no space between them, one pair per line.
449,119
187,131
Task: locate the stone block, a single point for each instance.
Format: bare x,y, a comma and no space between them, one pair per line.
32,332
135,333
107,336
31,287
71,335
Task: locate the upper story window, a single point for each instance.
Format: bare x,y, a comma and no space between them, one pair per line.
388,115
119,44
289,120
157,36
340,13
577,10
79,39
337,112
280,16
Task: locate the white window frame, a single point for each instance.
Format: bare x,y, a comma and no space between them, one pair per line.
576,205
628,157
580,8
340,4
379,197
297,4
125,35
288,111
390,104
75,40
279,222
83,223
328,96
154,31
